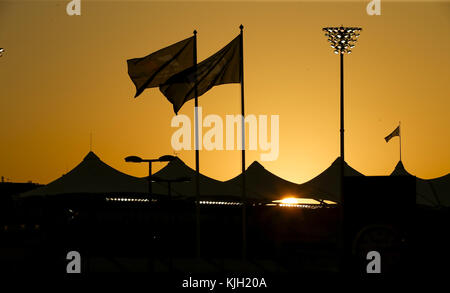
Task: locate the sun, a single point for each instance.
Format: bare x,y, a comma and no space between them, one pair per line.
290,200
298,201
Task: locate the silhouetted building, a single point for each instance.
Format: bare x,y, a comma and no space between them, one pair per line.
429,192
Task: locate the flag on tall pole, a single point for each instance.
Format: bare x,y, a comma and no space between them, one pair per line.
221,68
156,68
197,155
244,189
225,66
394,133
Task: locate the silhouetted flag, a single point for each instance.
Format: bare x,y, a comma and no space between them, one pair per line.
221,68
396,132
156,68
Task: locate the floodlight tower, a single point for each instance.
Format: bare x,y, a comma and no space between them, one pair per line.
342,40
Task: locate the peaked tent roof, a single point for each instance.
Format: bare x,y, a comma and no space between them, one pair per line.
263,185
208,186
326,185
93,176
431,192
400,170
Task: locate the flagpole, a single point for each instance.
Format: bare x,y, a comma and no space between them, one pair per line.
197,156
400,137
244,224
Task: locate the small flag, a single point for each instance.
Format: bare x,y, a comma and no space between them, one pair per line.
221,68
156,68
396,132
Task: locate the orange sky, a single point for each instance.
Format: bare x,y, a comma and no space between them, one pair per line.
63,77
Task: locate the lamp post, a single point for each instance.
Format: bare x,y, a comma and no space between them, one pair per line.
136,159
342,40
169,193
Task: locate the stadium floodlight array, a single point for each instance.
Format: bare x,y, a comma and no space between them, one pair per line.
205,202
124,199
342,39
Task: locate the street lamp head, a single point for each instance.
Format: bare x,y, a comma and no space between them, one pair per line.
342,39
166,158
133,159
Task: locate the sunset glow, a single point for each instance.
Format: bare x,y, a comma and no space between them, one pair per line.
293,200
47,112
